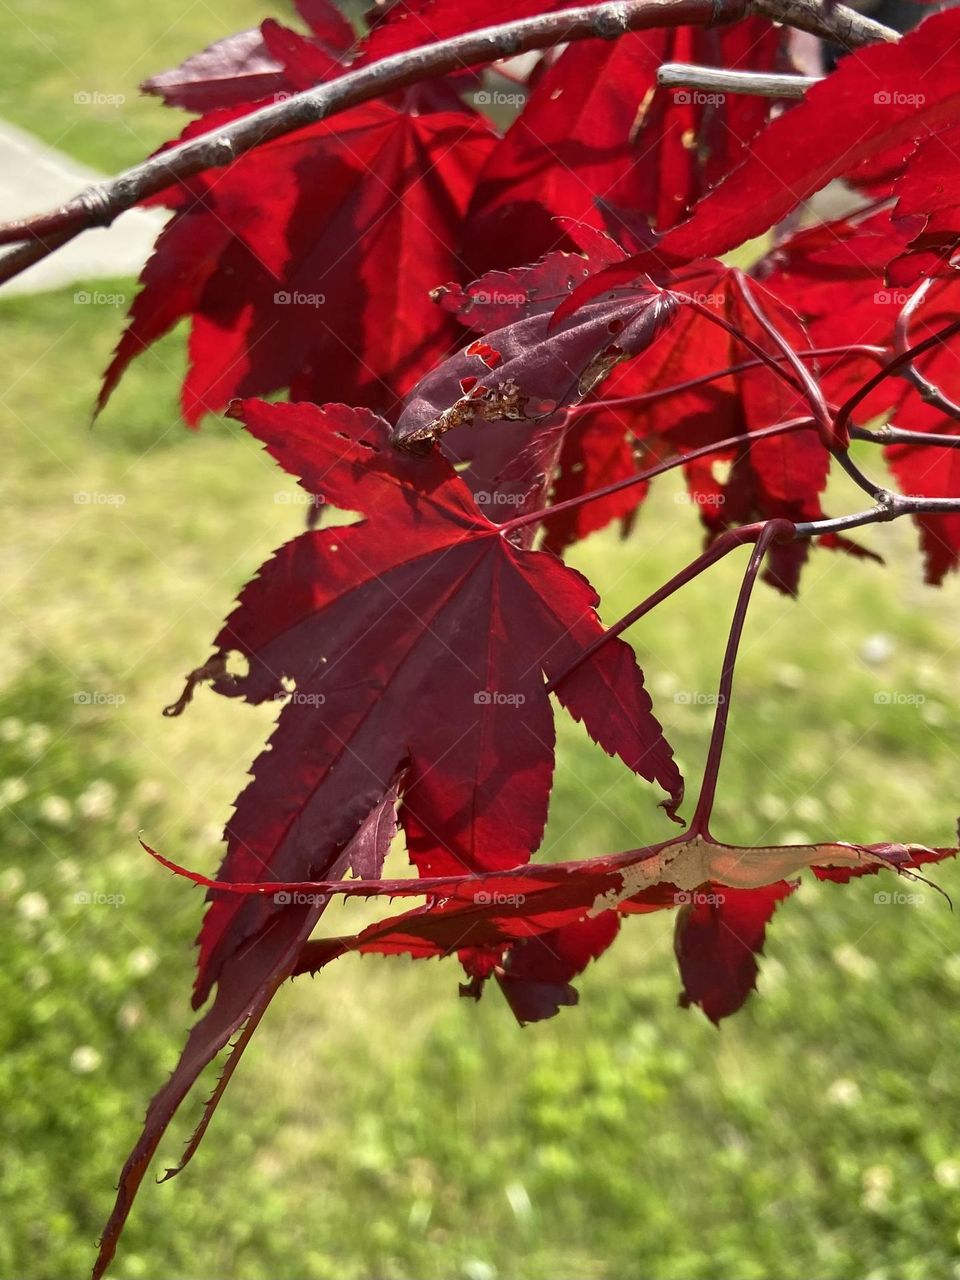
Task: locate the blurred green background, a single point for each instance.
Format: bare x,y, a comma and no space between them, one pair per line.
380,1127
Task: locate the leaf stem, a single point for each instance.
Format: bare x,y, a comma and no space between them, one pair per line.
892,366
663,393
771,531
605,491
727,542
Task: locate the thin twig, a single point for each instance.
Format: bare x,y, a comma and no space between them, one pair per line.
900,435
929,392
893,506
894,366
721,80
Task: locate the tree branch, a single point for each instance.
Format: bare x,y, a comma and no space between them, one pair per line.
891,507
721,80
900,435
830,21
100,204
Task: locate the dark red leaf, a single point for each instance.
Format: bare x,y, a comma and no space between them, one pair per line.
597,129
881,99
320,284
719,934
246,988
528,370
420,638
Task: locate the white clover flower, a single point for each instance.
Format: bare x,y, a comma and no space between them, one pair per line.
12,791
98,799
33,906
36,740
55,810
11,729
85,1059
142,961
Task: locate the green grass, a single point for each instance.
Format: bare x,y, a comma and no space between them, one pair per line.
379,1126
54,50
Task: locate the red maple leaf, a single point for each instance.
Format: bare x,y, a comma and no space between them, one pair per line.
874,109
417,639
718,935
596,130
322,283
